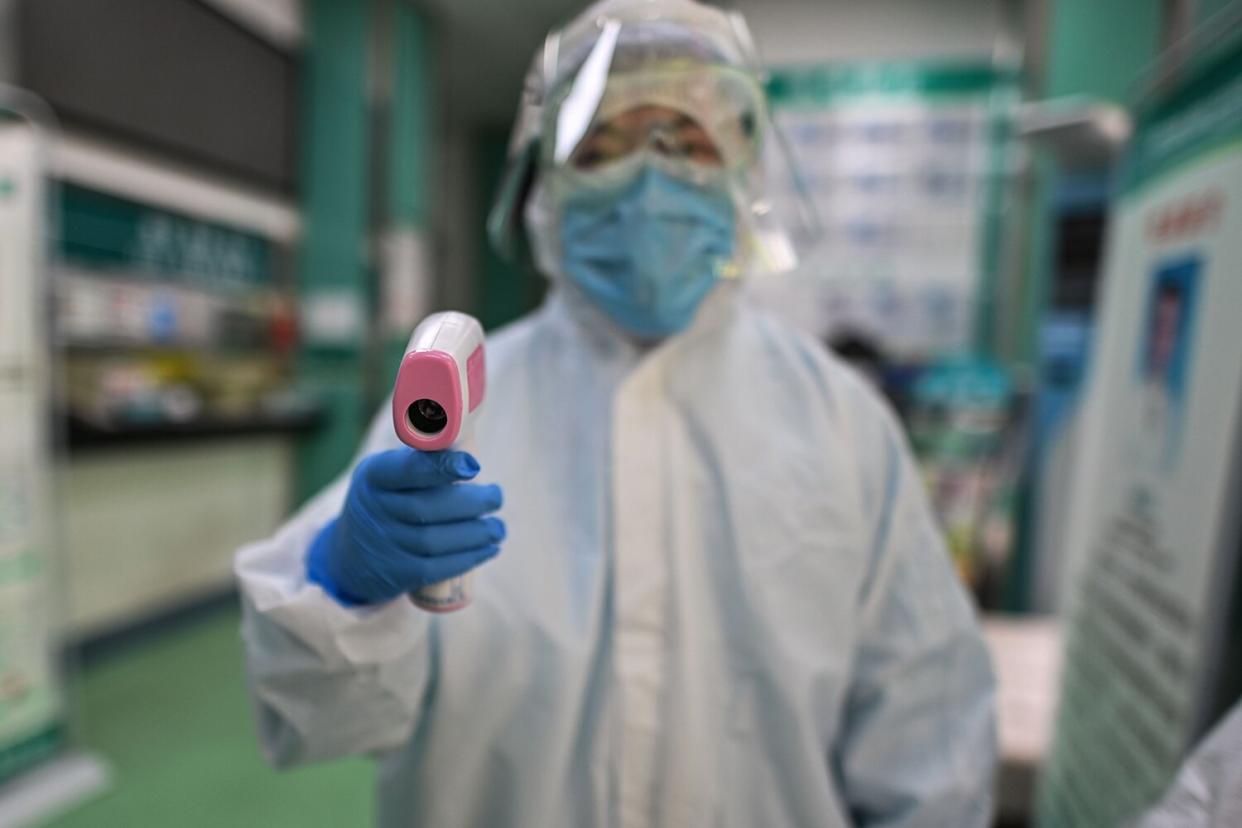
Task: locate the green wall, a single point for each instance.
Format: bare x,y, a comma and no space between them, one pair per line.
1206,8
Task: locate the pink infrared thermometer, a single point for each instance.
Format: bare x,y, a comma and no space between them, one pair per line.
439,389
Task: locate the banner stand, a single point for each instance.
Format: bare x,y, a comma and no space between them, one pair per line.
41,773
1152,536
52,788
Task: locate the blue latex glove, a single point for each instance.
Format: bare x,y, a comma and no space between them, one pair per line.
408,521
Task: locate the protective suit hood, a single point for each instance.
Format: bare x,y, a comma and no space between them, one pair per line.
619,53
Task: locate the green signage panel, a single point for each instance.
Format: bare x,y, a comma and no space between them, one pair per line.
1152,538
819,84
109,233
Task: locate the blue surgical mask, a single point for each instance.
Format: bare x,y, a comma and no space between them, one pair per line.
649,249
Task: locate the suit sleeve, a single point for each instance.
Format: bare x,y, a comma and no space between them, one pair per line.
1208,789
918,745
327,680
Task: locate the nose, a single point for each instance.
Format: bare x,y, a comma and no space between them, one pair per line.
662,140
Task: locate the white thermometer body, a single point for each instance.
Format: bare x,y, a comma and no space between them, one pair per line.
440,386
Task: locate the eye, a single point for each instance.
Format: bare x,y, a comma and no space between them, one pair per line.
699,149
704,154
601,145
693,143
589,157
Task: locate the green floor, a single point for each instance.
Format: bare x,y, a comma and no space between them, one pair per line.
171,717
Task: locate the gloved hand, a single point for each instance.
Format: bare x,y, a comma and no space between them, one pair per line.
407,522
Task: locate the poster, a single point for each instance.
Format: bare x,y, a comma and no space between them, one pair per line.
1153,532
901,163
31,705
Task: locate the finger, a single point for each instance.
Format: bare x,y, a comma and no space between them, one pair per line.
404,469
443,504
435,539
450,566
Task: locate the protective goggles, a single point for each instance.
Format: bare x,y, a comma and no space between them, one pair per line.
701,115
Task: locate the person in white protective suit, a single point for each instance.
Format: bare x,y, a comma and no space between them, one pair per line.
722,599
1208,790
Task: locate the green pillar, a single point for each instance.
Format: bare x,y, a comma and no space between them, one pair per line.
1097,49
333,280
409,149
996,205
1208,8
410,138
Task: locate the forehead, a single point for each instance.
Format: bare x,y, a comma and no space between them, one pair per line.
649,115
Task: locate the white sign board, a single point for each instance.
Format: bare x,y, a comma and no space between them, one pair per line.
1153,529
30,698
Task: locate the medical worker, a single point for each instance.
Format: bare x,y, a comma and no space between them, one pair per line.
1207,792
721,598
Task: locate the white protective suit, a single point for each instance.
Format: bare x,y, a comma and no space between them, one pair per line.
722,601
1208,789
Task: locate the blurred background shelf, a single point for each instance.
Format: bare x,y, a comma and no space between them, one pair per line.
85,434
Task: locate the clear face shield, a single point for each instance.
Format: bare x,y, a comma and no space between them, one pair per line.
648,94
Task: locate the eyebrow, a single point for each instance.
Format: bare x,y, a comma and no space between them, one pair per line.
606,130
686,122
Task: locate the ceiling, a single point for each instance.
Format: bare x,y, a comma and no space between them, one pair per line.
486,46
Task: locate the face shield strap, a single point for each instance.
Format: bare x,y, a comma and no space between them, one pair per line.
505,222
